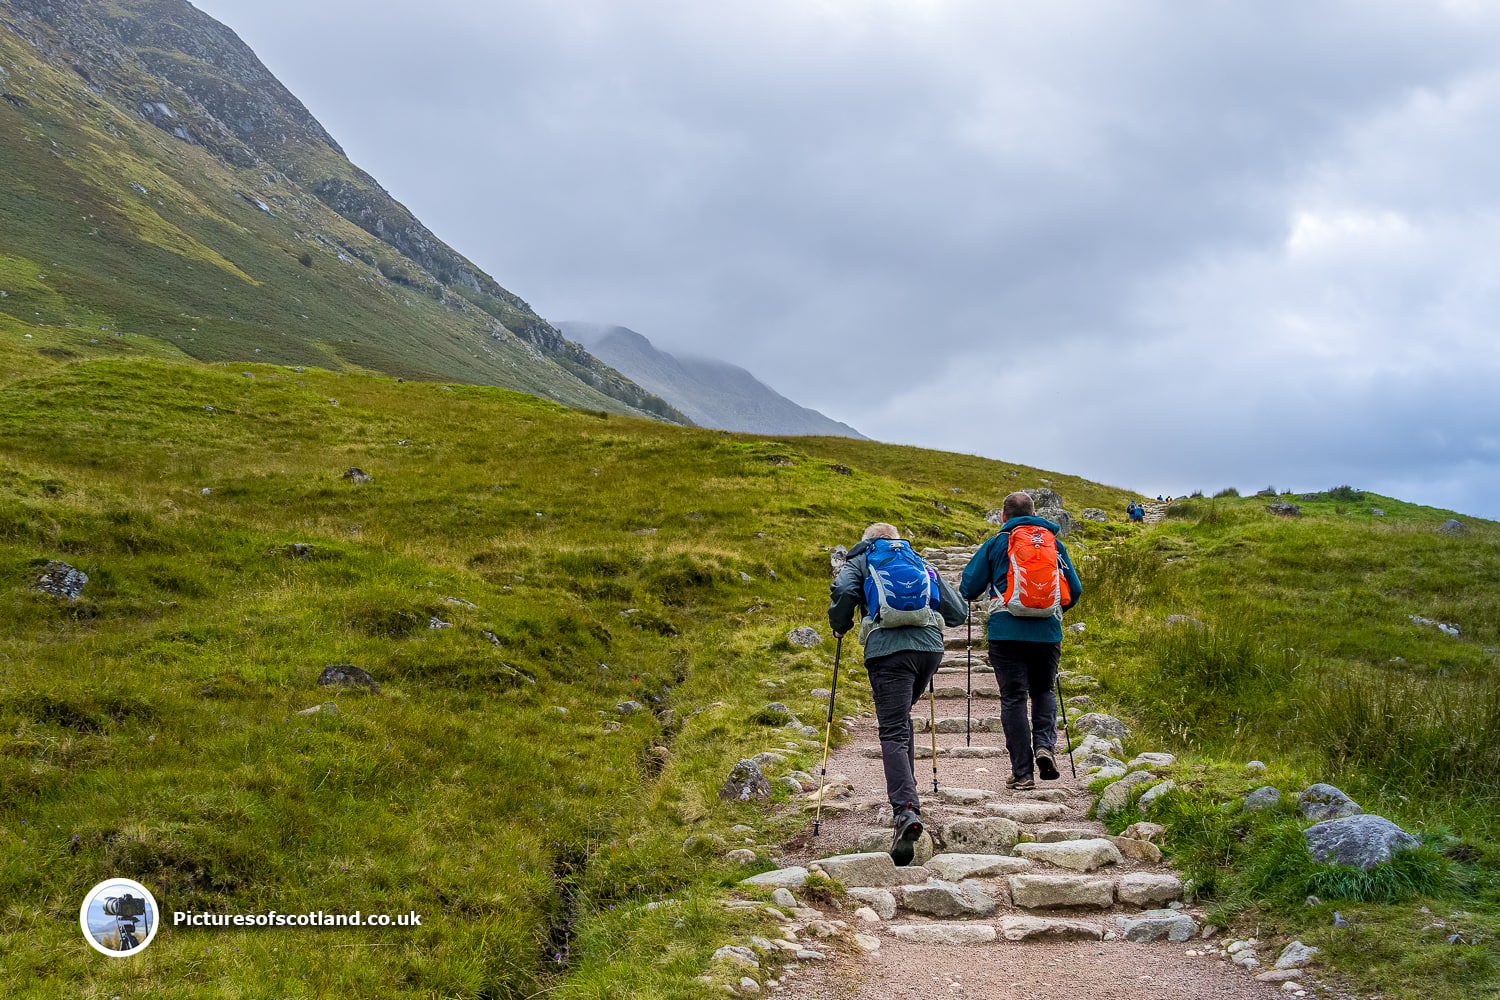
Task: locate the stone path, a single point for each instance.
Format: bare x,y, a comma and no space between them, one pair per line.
1026,896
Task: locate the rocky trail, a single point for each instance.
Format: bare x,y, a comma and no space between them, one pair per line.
1013,894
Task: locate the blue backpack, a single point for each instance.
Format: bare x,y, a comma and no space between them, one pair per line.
901,591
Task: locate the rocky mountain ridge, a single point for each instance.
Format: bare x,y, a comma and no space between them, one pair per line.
91,80
713,393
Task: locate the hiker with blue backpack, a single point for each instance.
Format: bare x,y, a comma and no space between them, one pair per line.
904,606
1028,579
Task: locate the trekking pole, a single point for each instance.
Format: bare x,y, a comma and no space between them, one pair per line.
1066,734
838,650
969,701
932,728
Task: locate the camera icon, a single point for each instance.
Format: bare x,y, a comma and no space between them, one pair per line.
119,917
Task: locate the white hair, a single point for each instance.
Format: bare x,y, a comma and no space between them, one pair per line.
881,530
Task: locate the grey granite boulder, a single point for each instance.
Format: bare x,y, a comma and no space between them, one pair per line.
746,781
781,878
1153,925
804,637
1361,841
1077,855
1320,802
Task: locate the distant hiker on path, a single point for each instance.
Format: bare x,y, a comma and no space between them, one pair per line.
905,605
1029,578
1136,512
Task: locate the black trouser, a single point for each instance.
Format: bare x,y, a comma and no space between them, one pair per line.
1026,671
897,681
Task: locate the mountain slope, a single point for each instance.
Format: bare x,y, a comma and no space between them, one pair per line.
155,178
712,393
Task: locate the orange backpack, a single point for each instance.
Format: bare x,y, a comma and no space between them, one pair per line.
1035,586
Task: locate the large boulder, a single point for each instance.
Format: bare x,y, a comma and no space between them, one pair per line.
1361,841
1320,802
1452,527
746,781
991,835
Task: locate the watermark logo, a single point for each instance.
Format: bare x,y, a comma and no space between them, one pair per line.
119,917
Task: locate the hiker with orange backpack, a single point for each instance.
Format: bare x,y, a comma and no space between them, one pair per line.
1029,580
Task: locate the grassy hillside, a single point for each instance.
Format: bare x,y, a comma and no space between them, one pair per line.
156,180
152,729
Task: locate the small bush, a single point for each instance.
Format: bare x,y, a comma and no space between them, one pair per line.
1346,494
1228,491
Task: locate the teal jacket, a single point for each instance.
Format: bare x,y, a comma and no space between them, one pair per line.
847,595
987,571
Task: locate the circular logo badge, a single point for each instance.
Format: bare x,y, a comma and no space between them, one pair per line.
119,917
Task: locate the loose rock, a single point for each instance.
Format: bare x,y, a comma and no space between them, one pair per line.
1296,955
61,580
804,637
1153,925
746,781
1116,796
1265,797
1320,802
1149,797
358,476
1364,841
346,675
881,901
1103,725
1144,831
1453,527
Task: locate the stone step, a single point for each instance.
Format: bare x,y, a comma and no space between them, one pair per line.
924,752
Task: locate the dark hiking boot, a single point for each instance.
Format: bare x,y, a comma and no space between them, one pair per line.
1025,784
1046,764
908,829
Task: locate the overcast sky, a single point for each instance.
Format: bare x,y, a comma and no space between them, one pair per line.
1163,245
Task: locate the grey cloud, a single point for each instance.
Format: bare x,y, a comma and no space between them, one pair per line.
1161,202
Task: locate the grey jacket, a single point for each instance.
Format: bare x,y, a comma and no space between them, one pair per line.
847,604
